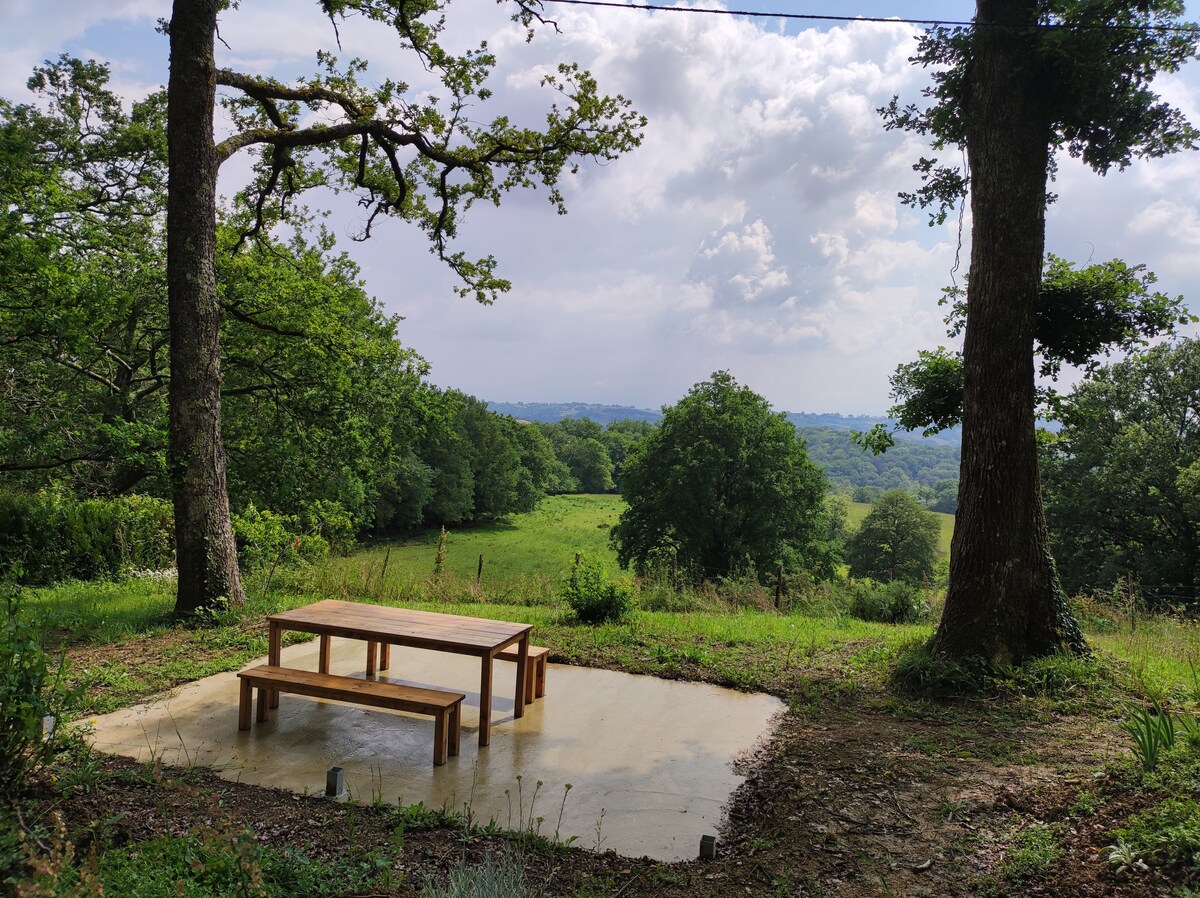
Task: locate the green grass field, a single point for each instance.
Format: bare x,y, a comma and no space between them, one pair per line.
527,554
525,560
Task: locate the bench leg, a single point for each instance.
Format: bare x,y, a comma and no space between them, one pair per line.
244,699
265,699
439,738
385,655
371,659
530,678
455,728
540,677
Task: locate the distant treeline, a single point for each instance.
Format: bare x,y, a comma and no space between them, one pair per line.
925,467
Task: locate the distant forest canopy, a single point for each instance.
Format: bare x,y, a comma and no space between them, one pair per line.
927,467
551,412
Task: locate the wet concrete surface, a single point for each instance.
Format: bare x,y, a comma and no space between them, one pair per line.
650,761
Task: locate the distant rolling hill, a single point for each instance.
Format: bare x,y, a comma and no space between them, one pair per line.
551,412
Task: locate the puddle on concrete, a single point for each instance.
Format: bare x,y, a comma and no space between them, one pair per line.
649,760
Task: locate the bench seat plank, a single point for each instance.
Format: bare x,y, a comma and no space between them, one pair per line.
444,707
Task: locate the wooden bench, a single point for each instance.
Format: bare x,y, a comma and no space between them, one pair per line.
535,676
444,707
535,673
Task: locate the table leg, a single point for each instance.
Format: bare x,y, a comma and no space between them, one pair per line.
274,647
485,701
370,659
522,669
385,655
323,663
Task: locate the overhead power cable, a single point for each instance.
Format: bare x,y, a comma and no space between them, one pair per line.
813,17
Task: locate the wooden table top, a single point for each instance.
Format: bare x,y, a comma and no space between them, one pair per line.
384,623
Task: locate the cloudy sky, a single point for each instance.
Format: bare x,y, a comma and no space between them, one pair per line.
756,230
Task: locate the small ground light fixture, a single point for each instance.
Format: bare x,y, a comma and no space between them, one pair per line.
335,782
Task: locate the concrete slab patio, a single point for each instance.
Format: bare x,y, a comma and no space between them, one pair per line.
650,761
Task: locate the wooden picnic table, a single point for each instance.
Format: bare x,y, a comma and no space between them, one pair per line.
385,626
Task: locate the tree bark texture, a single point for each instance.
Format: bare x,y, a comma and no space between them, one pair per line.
1004,603
205,552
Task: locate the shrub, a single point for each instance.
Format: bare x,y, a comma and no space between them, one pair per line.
49,537
896,602
330,521
32,690
592,598
267,540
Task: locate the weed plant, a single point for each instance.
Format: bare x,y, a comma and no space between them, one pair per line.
918,673
1033,850
1152,730
498,874
1164,835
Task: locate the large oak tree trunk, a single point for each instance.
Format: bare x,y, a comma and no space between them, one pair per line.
1004,602
204,548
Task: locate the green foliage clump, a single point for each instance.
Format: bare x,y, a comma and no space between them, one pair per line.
917,672
1166,834
497,875
32,690
1058,676
266,540
231,863
1034,849
592,597
47,537
1121,481
1152,730
897,602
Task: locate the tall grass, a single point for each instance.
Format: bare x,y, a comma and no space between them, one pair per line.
1163,655
102,611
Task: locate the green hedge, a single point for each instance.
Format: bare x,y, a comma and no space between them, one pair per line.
47,537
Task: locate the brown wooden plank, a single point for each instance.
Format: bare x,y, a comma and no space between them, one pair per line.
351,689
357,619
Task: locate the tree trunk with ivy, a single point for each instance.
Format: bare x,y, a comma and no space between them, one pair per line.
1004,602
205,552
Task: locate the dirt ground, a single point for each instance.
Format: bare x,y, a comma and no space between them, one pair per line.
847,797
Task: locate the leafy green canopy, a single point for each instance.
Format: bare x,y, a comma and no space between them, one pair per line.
896,541
1081,315
321,402
1095,62
722,485
423,156
1122,480
82,186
